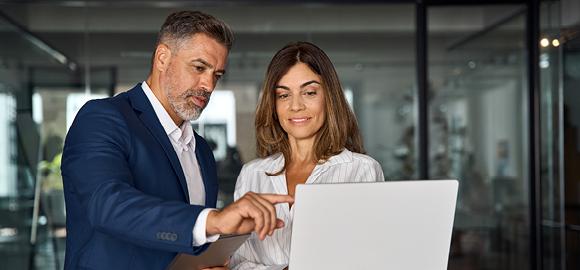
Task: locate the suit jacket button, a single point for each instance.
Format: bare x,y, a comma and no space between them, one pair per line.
173,237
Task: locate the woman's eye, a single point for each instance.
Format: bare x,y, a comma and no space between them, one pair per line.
282,96
311,93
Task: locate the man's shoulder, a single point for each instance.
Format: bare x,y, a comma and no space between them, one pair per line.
104,112
101,105
109,103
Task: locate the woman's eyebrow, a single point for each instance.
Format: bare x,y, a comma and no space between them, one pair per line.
301,86
308,83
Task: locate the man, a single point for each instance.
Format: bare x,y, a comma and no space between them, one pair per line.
139,184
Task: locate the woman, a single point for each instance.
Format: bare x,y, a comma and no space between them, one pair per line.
306,133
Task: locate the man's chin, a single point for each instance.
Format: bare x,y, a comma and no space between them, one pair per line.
190,116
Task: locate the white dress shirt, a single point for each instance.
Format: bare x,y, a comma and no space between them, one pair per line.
274,251
183,140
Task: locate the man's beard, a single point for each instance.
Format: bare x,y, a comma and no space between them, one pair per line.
182,104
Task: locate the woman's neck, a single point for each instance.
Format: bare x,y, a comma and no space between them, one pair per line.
301,164
302,151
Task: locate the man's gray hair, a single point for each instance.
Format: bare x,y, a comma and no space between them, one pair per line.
184,24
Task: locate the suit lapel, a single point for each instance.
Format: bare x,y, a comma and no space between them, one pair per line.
140,102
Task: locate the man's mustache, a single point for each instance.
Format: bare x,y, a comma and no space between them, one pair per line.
196,93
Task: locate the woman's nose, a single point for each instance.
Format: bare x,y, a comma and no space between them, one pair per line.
297,103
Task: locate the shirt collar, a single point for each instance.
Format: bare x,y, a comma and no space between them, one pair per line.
182,135
343,157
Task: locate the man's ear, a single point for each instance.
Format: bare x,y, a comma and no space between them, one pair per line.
161,58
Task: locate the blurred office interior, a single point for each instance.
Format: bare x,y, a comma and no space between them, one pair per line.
486,92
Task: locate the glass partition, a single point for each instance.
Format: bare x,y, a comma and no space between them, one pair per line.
552,132
19,141
570,83
571,150
477,130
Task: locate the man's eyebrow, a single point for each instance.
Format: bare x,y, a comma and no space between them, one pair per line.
205,63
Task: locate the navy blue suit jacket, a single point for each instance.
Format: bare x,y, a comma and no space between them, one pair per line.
126,196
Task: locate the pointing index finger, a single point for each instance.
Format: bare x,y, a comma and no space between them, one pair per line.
277,198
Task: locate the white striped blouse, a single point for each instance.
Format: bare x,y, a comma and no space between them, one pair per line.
274,251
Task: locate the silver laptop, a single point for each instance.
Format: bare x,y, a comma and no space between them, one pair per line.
385,225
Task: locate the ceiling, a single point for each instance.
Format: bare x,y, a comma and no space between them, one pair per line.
121,34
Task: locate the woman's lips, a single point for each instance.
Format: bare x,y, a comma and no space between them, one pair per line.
299,120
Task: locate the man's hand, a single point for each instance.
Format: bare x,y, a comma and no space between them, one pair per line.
252,212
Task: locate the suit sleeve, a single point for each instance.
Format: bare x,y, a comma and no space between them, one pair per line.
99,180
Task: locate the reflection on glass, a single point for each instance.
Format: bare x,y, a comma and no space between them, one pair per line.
571,147
19,145
7,150
477,116
551,108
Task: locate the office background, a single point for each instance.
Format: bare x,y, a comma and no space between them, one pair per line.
485,92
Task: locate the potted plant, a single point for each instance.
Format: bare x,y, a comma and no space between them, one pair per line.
52,189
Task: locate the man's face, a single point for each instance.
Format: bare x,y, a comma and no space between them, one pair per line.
194,68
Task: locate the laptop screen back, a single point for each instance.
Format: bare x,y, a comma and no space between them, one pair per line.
384,225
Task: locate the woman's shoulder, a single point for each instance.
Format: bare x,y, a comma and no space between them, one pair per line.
354,167
369,165
362,158
263,164
253,175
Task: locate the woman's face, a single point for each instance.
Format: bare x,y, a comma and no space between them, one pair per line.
300,102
